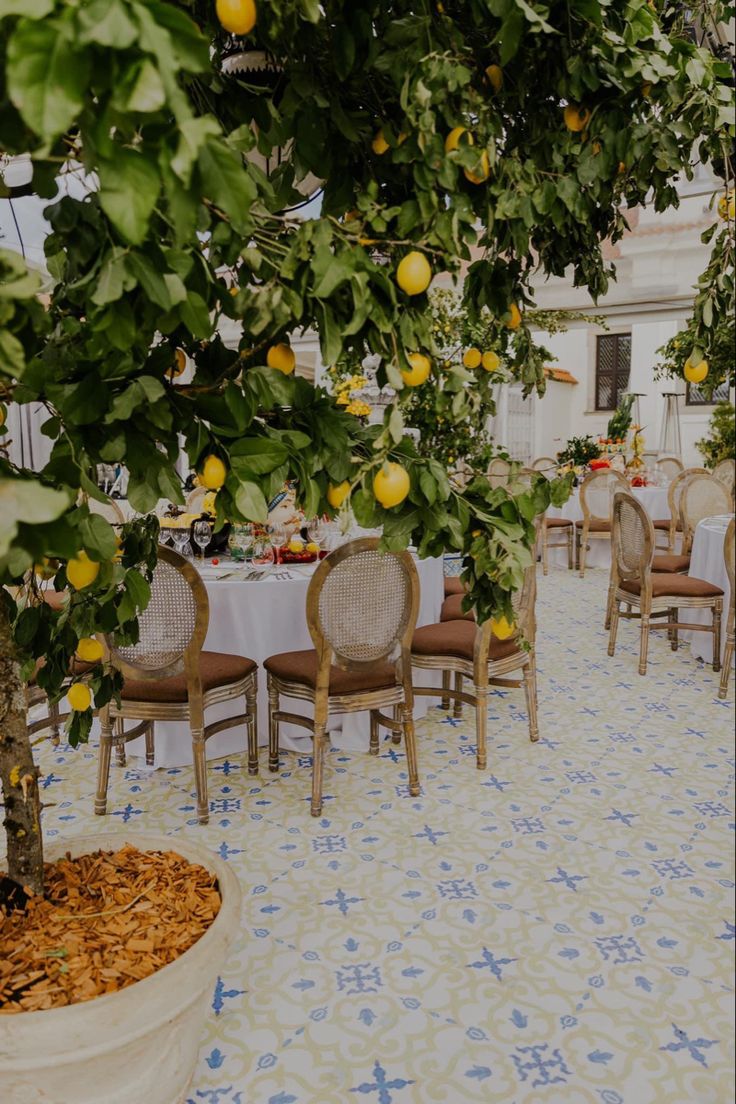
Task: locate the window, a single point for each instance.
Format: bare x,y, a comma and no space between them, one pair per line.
612,369
695,397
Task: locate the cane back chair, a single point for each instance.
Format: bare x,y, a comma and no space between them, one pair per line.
362,607
725,473
547,465
669,466
499,471
702,496
554,526
728,555
647,595
169,678
468,651
596,499
671,526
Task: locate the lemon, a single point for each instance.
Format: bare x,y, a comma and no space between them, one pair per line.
312,548
472,358
3,415
502,628
281,357
414,273
495,77
379,144
576,117
695,373
336,495
419,371
391,485
180,363
213,473
81,570
237,16
491,361
296,545
79,697
512,318
726,209
452,141
89,650
481,174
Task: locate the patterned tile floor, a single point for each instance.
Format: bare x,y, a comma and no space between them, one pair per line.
558,929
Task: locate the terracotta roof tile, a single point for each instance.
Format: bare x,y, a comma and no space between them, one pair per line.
560,375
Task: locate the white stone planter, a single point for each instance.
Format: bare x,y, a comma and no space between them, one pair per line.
137,1046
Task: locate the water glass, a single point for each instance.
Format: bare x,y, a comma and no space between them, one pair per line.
202,534
263,554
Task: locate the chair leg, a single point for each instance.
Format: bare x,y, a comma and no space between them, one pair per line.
410,742
674,634
545,549
530,689
583,551
445,702
120,756
481,726
374,742
273,727
717,610
396,736
570,550
199,757
150,738
615,609
644,641
609,604
726,669
55,724
319,740
457,710
251,708
103,763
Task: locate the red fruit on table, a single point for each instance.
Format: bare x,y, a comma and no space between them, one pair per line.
215,561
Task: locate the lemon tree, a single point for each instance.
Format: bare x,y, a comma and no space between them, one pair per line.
176,228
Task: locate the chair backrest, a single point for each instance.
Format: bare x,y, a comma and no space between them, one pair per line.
173,625
676,487
109,510
523,602
728,556
670,466
498,472
545,464
362,604
725,473
632,539
702,497
597,491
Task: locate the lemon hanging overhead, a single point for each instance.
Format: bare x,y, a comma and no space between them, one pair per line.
237,16
414,273
391,485
419,371
695,370
213,473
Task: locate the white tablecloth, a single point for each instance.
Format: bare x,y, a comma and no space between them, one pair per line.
653,499
707,562
259,619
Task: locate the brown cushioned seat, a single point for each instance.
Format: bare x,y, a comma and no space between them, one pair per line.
216,669
664,523
676,586
457,638
301,667
453,585
669,562
557,523
452,609
597,525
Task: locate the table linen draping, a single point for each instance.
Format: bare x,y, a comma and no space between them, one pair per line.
653,499
707,562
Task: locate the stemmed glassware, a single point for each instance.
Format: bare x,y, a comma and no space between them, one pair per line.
263,554
202,534
181,540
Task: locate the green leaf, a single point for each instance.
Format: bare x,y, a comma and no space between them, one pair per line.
226,182
165,288
195,314
12,355
47,77
28,501
141,392
250,502
148,93
113,279
98,536
192,134
257,456
30,9
129,187
106,23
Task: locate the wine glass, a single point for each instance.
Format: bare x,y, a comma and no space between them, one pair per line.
263,554
181,540
278,539
164,534
202,534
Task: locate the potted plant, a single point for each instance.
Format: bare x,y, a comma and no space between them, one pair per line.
176,231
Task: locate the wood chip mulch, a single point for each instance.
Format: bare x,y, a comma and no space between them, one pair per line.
108,919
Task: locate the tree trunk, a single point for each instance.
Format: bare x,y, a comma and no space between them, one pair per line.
18,774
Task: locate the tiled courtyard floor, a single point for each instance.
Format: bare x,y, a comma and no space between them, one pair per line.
558,929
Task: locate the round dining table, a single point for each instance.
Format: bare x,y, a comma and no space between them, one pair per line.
707,562
261,613
653,499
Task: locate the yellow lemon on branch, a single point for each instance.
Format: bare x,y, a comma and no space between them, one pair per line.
282,358
502,628
414,273
237,16
336,495
89,650
391,485
213,473
81,571
418,372
79,697
472,358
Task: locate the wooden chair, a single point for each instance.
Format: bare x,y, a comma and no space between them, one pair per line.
596,499
728,555
109,510
653,596
725,473
669,466
362,607
169,678
702,496
499,471
547,465
468,651
671,526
